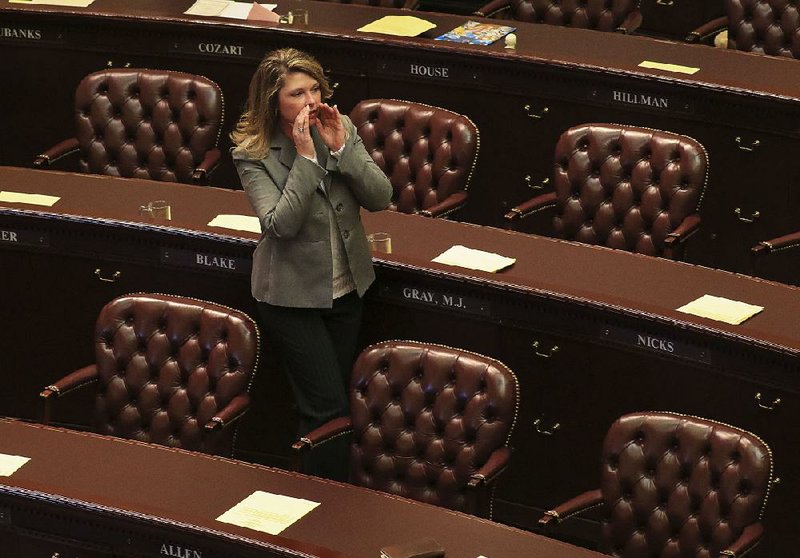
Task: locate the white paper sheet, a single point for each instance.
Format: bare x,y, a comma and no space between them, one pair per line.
470,258
9,464
721,309
31,199
267,512
247,223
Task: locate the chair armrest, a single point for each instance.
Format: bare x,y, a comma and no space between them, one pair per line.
785,242
75,380
673,244
750,537
493,8
61,149
328,431
206,166
232,411
495,465
707,30
451,203
631,23
531,206
569,508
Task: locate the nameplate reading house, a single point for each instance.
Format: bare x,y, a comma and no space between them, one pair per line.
422,70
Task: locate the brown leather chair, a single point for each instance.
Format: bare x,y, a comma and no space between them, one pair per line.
151,124
404,4
763,26
677,485
622,16
429,423
624,187
169,370
427,152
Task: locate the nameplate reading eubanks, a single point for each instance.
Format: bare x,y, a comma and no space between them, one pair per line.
656,344
658,101
428,70
444,300
203,260
17,237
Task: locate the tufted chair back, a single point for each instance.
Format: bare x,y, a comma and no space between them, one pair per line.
427,418
765,26
676,485
151,124
169,370
602,15
428,153
625,187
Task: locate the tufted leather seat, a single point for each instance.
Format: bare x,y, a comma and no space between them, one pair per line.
428,153
405,4
429,422
676,485
604,15
151,124
169,370
624,187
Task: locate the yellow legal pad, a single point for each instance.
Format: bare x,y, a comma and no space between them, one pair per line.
64,3
267,512
237,223
721,309
10,463
470,258
399,26
31,199
677,68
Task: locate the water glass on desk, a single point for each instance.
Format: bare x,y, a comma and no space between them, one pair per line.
380,242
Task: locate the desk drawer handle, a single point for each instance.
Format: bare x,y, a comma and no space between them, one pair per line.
770,406
535,115
553,350
540,186
752,147
665,2
753,216
113,279
537,424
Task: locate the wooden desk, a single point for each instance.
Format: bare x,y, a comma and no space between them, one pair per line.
591,333
89,496
744,108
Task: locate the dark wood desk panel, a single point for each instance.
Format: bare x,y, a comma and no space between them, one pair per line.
590,332
146,496
744,108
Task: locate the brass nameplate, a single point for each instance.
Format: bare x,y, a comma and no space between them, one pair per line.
444,300
428,71
178,551
656,344
213,49
19,33
18,237
203,260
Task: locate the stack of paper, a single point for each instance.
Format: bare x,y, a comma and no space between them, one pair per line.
470,258
237,223
232,10
721,309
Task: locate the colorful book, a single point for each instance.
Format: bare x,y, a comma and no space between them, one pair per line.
476,33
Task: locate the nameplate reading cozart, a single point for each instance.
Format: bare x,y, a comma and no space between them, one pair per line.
205,260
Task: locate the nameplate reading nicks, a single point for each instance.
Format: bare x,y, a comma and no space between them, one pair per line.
210,49
656,344
642,99
427,70
203,260
24,238
445,300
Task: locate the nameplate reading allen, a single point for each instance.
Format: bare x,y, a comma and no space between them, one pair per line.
177,551
18,237
656,344
202,260
445,300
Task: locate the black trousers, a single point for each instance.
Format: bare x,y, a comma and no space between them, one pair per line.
317,347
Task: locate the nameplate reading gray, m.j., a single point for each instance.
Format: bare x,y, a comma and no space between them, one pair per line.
444,300
204,260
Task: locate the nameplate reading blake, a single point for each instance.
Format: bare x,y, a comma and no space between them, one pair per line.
203,260
445,300
18,237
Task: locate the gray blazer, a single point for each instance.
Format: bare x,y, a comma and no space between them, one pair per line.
292,264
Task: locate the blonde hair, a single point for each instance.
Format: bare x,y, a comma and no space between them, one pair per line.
259,122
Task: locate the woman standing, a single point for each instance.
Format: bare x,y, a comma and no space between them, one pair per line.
307,175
